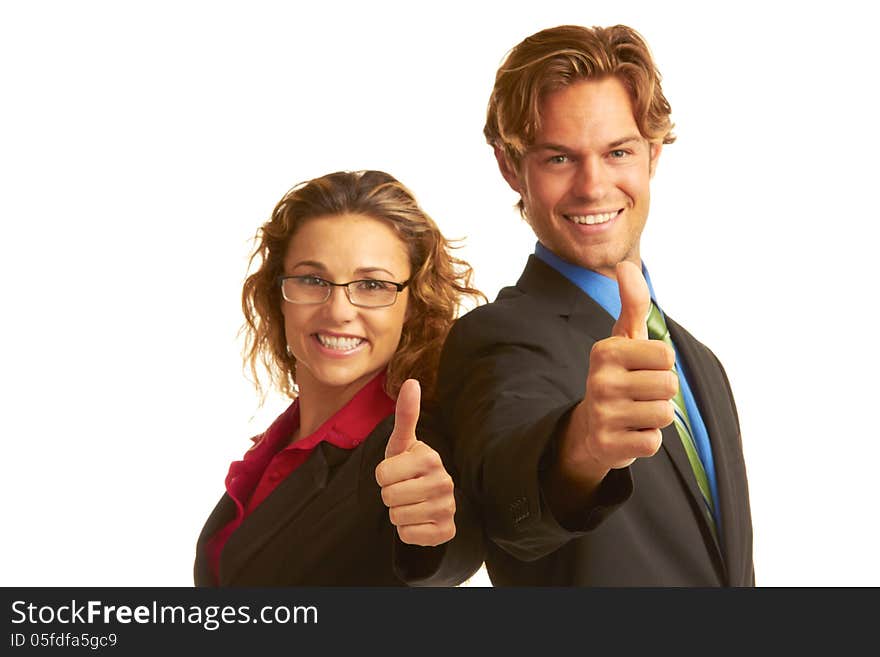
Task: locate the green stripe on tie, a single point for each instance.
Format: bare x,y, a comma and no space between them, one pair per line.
657,330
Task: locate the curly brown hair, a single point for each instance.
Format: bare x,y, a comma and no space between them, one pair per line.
438,285
559,56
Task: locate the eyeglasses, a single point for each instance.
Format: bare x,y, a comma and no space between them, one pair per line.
367,293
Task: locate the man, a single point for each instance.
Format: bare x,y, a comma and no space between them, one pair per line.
597,456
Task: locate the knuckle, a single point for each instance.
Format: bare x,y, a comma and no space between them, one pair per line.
603,351
443,487
653,440
426,459
667,414
445,509
406,535
387,498
600,384
606,417
601,443
432,458
446,532
671,384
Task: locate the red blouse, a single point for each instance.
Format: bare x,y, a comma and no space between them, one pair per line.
271,459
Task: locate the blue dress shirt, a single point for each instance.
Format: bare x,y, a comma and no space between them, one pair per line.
604,291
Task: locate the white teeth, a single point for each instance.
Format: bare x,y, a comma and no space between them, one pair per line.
339,343
591,219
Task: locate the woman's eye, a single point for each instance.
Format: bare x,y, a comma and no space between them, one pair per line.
312,281
371,286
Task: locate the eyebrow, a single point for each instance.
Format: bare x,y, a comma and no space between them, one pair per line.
360,271
565,149
370,270
625,140
309,263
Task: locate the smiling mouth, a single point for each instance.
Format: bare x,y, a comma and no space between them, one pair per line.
592,219
339,343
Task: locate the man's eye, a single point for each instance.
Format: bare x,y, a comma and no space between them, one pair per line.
618,153
558,159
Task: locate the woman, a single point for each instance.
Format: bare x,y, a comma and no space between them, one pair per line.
353,297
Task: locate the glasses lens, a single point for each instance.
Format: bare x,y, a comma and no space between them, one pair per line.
305,289
372,293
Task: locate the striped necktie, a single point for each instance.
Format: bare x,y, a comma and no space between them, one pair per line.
657,330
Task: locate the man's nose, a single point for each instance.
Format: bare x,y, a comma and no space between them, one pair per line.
591,180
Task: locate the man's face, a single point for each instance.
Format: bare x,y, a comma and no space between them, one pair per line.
585,181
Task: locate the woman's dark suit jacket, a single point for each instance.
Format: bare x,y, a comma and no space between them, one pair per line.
326,525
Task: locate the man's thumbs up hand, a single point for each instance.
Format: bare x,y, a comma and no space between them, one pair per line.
416,488
626,398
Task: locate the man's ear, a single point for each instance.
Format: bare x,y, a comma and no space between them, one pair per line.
654,158
507,169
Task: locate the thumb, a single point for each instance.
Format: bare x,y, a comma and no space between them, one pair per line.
406,417
635,303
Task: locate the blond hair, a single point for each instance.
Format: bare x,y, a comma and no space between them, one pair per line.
559,56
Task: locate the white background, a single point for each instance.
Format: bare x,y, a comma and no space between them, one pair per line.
142,144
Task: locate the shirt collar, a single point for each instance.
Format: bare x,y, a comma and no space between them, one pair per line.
353,422
600,288
347,428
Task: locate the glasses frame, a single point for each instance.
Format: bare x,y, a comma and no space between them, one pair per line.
331,285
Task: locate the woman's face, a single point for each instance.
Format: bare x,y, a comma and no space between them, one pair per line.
339,346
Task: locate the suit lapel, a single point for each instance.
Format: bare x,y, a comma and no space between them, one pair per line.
673,447
223,512
548,288
710,390
288,499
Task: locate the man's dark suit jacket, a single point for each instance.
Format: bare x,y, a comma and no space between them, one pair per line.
510,374
326,525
